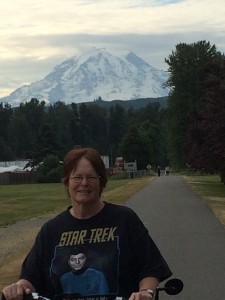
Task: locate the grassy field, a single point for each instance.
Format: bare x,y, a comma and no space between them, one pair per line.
212,191
25,201
20,202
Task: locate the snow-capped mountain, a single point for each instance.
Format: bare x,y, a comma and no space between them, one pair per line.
92,75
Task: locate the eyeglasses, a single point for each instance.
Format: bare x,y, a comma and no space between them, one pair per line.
79,178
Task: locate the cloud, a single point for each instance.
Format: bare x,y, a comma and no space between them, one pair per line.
37,35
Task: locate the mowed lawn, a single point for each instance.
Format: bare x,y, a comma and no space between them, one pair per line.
212,191
25,201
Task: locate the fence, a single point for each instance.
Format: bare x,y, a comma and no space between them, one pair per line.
130,174
18,177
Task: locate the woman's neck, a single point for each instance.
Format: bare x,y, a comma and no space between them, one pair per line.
86,211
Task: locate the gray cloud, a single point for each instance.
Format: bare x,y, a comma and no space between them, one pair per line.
31,44
148,46
153,48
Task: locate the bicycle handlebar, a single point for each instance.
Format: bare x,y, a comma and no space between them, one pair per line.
171,287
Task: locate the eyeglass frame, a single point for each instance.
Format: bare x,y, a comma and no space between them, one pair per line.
80,178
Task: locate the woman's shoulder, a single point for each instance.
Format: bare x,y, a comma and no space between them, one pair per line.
121,209
124,215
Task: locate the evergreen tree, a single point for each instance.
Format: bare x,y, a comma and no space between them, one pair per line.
206,136
6,112
186,67
59,118
117,128
76,133
22,137
47,143
5,118
6,153
135,146
34,112
97,127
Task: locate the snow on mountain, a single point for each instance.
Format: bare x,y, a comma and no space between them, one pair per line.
95,74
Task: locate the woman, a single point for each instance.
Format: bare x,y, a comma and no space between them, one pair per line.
117,241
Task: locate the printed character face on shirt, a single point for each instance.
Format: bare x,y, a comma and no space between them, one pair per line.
84,183
77,262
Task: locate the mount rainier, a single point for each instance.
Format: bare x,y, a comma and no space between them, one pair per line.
95,74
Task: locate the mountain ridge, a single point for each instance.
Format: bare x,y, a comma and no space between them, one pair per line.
134,103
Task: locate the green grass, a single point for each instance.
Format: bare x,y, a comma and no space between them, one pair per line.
19,202
211,190
25,201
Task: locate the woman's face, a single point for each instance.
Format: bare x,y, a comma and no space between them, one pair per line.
84,183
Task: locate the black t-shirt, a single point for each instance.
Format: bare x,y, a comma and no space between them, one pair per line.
118,250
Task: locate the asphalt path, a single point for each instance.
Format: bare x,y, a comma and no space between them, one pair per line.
189,236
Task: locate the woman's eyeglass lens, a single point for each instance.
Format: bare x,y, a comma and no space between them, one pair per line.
88,178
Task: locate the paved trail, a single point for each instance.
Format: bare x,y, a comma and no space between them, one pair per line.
189,236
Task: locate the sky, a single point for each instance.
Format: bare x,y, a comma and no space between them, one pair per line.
35,36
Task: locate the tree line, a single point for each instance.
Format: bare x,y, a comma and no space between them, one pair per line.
188,133
34,130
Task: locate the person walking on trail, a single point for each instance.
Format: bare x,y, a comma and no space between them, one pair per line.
158,171
117,241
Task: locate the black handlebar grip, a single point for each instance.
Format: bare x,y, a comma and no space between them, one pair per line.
2,297
25,297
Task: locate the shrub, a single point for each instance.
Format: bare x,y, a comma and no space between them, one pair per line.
50,170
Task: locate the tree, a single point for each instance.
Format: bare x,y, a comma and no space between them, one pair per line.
135,146
5,118
22,138
59,118
47,142
90,126
6,153
116,129
186,67
24,127
76,133
50,170
151,124
34,112
206,135
97,127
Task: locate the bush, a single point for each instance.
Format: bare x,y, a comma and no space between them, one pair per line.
50,170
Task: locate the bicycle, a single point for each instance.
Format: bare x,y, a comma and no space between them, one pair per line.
171,287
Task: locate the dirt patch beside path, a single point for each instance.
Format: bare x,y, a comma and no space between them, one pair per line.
15,242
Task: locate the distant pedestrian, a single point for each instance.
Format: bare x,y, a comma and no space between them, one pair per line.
158,170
